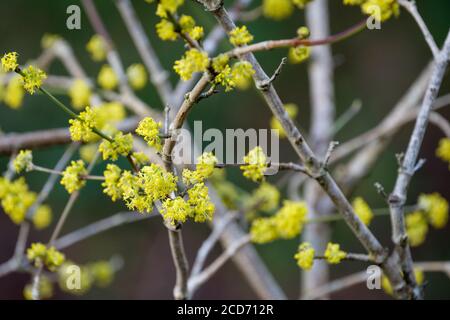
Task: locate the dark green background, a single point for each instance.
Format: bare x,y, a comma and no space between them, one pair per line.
374,66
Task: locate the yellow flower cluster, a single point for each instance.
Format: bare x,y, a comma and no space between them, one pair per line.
167,6
23,161
266,198
305,256
40,255
202,209
229,77
80,94
149,130
14,92
81,127
42,217
16,198
292,111
166,30
443,150
107,78
299,54
281,9
187,24
32,78
111,184
255,164
9,61
362,210
175,210
72,178
381,10
240,36
97,48
192,61
334,254
121,145
287,223
433,210
204,169
137,76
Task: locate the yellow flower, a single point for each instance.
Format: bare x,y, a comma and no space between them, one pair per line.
242,73
202,209
42,217
111,183
381,10
48,40
292,110
334,254
110,113
387,287
192,61
166,30
45,289
206,164
436,209
32,78
72,177
9,61
137,76
443,151
303,32
121,145
81,127
263,230
107,78
14,92
53,259
170,6
416,228
220,62
23,161
102,273
175,210
362,210
80,94
299,54
240,36
41,255
16,198
255,164
187,24
290,219
305,256
149,130
141,158
266,197
86,279
97,48
157,182
277,9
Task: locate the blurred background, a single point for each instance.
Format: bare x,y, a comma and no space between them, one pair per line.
374,66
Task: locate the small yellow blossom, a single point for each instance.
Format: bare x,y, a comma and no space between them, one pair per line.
107,78
86,279
170,6
141,158
299,54
81,127
45,289
292,111
206,164
102,273
157,182
242,73
23,161
175,210
277,9
266,197
381,10
111,183
334,254
80,94
255,164
240,36
149,130
9,61
263,230
303,32
416,228
435,208
14,92
192,61
202,209
290,219
72,177
48,40
40,255
137,76
362,210
305,256
110,113
166,30
121,145
53,259
443,150
187,24
32,78
97,48
16,198
42,217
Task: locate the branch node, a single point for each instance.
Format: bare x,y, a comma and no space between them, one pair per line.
264,85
